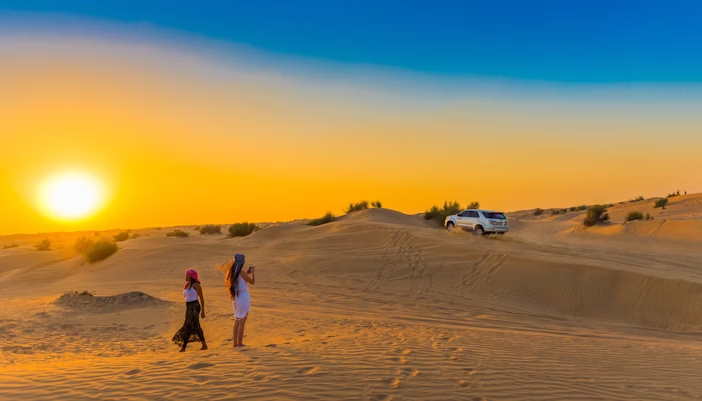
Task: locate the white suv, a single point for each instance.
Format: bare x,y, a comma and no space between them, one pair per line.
479,221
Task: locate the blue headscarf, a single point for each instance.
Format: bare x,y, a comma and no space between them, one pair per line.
234,272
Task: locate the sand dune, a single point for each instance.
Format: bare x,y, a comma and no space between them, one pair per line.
375,306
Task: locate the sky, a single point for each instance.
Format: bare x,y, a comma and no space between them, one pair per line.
193,113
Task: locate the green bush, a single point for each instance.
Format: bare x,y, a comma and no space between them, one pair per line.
82,244
634,216
582,207
637,199
327,218
555,212
439,215
43,245
208,229
8,246
354,207
242,229
596,214
648,217
573,208
564,211
674,194
123,236
377,204
100,250
662,202
538,211
177,233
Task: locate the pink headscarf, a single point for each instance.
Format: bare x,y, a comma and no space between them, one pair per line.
193,274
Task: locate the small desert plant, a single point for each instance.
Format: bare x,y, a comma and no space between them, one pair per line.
211,229
242,229
662,202
674,194
582,207
82,244
649,217
637,199
196,228
177,233
134,236
327,218
634,216
439,215
573,208
564,211
354,207
8,246
596,214
123,236
100,250
555,212
377,204
43,245
538,211
83,293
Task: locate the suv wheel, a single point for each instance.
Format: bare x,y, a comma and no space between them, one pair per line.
479,231
450,226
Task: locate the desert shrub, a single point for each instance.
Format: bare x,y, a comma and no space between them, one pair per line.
473,205
634,216
354,207
573,208
327,218
674,194
82,244
196,228
555,212
134,236
564,211
377,204
439,215
242,229
123,236
648,217
100,250
83,293
208,229
8,246
43,245
637,199
596,214
538,212
177,233
582,207
662,202
158,228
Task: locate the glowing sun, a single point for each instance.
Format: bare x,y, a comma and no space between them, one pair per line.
71,196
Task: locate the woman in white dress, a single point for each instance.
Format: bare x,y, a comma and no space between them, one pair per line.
237,282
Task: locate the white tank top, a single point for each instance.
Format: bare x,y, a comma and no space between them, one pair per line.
242,286
190,294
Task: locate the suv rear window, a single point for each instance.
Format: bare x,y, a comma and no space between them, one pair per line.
494,215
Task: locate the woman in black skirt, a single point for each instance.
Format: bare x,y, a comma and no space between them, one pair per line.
191,330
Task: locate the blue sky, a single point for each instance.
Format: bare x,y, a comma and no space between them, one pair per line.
552,41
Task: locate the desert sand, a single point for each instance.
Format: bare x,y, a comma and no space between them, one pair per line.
376,306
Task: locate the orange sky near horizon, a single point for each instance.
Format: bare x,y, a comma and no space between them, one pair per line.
180,138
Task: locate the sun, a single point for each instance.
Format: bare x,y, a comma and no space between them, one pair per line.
71,196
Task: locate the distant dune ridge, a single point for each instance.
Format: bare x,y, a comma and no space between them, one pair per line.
377,305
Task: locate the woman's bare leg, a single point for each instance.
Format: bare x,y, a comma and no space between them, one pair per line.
202,337
235,333
242,324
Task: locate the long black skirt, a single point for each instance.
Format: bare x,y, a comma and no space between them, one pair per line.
191,329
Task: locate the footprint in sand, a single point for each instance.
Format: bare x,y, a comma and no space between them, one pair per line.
381,397
133,372
463,383
271,345
200,365
308,370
